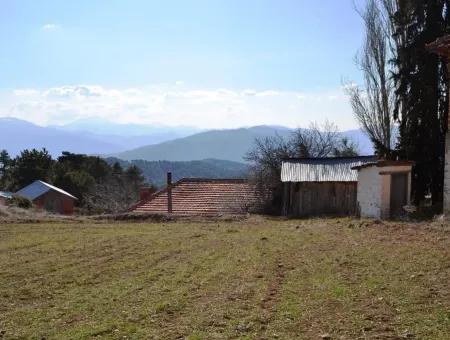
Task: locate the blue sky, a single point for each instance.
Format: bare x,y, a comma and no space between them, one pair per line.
167,51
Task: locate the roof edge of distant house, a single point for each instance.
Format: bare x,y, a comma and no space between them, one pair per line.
6,194
39,194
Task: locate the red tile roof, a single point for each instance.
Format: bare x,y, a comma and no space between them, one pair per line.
198,196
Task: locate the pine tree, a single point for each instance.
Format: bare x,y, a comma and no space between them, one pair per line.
421,83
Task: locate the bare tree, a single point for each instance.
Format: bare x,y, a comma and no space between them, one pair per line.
374,105
267,155
316,141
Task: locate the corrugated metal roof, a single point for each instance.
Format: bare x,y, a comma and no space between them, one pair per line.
6,194
38,188
333,169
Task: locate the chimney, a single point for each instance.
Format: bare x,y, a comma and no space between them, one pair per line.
169,192
146,193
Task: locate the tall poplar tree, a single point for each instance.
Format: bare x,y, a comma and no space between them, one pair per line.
421,89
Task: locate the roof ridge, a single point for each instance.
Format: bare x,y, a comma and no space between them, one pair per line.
57,189
46,185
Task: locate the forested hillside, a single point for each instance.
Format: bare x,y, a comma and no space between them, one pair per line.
155,171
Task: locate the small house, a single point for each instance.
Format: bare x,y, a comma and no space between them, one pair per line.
4,196
320,186
48,197
201,196
384,188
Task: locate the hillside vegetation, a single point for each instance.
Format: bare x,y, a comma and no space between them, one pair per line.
252,279
155,171
230,145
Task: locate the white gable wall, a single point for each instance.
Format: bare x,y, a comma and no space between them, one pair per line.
369,192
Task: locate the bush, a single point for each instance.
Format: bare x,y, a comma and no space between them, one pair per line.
20,202
426,212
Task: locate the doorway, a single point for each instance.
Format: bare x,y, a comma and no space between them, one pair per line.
399,193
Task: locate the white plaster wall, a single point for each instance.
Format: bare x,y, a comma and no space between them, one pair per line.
374,189
369,192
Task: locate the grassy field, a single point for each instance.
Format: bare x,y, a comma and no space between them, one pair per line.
252,279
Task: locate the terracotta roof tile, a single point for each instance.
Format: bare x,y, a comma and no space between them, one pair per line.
204,197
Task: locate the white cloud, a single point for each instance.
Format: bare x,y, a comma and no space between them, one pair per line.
268,93
50,27
25,92
174,105
249,92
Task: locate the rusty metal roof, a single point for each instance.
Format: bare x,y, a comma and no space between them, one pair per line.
332,169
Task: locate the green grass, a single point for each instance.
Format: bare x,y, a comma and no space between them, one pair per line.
252,279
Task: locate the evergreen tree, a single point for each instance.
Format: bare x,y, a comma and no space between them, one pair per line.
421,84
117,169
5,163
31,165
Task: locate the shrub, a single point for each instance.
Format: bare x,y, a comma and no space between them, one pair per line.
20,202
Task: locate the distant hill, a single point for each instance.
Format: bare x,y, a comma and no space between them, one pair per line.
222,144
17,135
360,138
126,136
230,145
80,137
155,171
104,127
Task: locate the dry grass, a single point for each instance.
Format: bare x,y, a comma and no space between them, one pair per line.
12,214
257,278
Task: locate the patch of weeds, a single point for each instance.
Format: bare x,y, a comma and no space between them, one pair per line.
102,331
166,307
339,291
444,317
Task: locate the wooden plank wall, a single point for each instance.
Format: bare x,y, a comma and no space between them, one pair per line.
319,198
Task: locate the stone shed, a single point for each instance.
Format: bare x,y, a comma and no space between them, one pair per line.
384,188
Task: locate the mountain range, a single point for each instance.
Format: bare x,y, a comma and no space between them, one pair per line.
223,144
152,143
85,136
